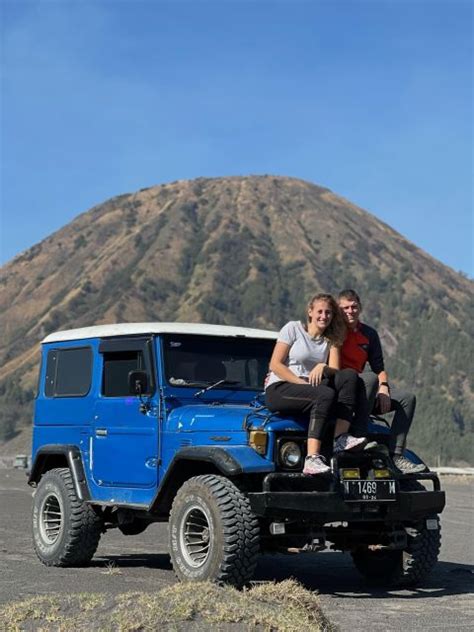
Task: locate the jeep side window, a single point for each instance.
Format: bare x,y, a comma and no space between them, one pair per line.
68,372
117,366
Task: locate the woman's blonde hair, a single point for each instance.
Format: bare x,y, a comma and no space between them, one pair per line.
335,332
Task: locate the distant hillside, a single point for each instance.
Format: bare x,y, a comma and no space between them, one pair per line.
245,251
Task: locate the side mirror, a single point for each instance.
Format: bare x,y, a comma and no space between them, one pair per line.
137,382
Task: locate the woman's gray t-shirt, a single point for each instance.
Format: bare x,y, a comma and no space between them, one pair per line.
304,354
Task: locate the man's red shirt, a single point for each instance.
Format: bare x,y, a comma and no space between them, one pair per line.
362,345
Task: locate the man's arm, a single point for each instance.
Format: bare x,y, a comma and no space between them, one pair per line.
376,362
383,393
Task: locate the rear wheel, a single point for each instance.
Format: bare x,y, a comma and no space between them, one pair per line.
66,531
404,567
213,533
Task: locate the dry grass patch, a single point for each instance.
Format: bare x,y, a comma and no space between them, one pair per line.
111,569
284,606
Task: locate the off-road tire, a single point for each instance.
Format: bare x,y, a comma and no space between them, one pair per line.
407,567
215,510
66,531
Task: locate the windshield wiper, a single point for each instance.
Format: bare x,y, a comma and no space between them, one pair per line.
218,383
178,381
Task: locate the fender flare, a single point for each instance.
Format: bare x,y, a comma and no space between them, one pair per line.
226,463
215,456
47,454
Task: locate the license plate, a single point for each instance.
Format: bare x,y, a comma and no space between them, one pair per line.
369,490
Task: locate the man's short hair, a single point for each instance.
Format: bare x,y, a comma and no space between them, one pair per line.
350,295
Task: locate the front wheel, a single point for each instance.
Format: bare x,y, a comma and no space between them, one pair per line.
66,531
406,567
213,533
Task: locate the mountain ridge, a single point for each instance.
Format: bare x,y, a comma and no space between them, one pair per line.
240,250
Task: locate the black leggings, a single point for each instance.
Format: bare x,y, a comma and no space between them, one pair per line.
336,393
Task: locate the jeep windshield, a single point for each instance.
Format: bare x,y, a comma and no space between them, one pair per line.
229,363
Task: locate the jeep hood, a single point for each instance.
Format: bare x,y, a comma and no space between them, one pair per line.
230,418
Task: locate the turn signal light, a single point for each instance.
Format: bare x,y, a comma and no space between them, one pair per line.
383,473
350,472
258,441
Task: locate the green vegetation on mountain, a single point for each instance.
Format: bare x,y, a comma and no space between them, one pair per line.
245,251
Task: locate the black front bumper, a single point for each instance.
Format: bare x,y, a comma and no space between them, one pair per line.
324,502
324,507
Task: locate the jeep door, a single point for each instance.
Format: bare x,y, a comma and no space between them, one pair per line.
125,440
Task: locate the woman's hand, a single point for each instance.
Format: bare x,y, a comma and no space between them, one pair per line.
317,374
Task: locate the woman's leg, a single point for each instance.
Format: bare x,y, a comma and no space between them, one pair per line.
285,397
314,446
367,384
345,385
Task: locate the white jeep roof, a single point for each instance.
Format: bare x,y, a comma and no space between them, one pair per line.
131,329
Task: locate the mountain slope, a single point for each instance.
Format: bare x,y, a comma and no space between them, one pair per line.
247,251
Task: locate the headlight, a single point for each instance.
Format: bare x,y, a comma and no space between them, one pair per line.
290,454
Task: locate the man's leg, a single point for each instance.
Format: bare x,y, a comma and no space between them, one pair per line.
404,406
366,393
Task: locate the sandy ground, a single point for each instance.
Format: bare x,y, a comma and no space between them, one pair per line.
444,602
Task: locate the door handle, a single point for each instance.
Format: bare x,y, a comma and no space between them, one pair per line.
101,432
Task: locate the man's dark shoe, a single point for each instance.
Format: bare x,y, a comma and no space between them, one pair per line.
371,445
406,466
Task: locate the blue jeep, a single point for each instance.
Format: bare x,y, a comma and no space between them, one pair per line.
154,422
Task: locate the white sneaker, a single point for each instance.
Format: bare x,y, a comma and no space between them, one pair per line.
315,464
346,443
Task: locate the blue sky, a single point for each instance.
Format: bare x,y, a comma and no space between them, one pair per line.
372,99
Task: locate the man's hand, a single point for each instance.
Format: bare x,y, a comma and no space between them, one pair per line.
383,399
317,374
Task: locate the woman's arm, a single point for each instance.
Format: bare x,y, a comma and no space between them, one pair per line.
278,366
322,369
334,360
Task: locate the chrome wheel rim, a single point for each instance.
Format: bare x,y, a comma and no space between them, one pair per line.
196,536
51,519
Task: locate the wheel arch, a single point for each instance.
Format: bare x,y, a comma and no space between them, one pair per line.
52,456
190,462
